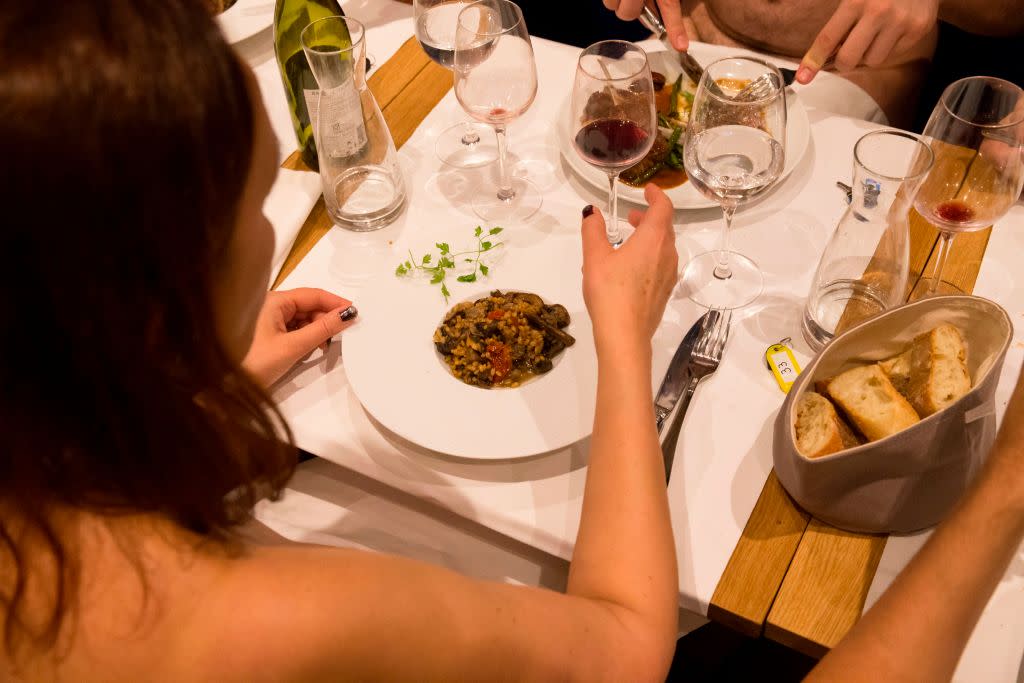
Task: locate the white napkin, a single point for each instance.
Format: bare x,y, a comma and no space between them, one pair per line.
286,207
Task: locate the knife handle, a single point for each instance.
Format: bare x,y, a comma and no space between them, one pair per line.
668,444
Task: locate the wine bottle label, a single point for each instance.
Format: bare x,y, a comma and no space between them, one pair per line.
345,132
312,106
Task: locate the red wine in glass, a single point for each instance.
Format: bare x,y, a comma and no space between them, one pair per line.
612,142
954,211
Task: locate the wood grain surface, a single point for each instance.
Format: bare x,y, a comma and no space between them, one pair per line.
421,84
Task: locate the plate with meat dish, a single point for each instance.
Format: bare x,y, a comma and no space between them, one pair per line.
663,165
507,371
240,19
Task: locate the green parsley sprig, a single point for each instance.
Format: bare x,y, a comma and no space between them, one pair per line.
447,261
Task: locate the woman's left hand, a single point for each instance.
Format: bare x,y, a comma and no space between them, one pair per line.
290,325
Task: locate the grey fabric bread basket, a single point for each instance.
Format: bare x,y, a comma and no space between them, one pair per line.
910,480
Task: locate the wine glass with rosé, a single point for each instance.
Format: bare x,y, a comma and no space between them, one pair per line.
612,111
496,82
976,132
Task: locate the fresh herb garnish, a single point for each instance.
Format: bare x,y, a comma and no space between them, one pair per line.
439,269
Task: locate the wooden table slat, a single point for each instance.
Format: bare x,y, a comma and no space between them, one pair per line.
830,574
759,562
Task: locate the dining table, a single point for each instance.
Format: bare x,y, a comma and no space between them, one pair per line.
749,556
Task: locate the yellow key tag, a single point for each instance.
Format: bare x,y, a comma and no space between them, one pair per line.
783,365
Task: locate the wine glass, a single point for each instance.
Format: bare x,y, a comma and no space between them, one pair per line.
613,114
496,82
734,149
976,132
467,144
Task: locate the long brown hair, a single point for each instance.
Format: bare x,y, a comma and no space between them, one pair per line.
126,130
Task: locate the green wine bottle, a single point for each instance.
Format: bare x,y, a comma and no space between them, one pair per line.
290,18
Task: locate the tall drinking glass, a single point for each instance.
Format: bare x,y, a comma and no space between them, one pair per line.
359,172
976,132
733,151
467,144
864,268
613,116
496,82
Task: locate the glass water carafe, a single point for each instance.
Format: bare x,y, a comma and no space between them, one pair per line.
362,182
864,268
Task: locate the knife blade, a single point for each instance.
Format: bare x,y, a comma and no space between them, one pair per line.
678,374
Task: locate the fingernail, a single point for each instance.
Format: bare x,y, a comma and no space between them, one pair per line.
588,210
680,43
348,314
803,74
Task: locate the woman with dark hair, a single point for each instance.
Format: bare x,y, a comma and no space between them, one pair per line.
139,433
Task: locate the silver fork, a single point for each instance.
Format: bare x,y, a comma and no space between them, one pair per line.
706,356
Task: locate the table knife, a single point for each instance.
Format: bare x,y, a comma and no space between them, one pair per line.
678,375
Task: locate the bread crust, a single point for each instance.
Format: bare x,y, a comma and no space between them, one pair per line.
820,430
871,402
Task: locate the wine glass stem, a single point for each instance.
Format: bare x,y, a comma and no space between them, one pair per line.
505,191
945,240
722,269
469,135
612,220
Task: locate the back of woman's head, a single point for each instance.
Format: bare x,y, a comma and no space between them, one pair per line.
126,129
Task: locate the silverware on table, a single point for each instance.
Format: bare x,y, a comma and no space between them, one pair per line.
697,356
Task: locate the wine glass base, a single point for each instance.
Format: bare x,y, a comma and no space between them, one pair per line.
700,282
525,202
453,150
922,290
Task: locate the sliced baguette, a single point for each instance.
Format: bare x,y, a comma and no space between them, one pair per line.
869,400
897,369
937,372
819,428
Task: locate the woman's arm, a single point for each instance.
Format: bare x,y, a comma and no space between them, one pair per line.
920,626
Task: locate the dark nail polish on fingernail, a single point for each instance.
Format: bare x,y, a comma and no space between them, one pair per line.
588,210
348,314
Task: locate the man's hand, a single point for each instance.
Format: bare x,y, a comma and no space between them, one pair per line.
867,32
671,16
290,325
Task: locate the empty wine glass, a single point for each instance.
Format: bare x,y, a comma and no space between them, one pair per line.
496,82
733,151
613,116
976,132
467,144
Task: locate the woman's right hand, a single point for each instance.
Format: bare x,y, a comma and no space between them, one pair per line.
626,289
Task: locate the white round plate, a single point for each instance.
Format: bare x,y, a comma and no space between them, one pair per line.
399,377
246,18
685,196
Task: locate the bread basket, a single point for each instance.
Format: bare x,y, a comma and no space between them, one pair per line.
909,480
